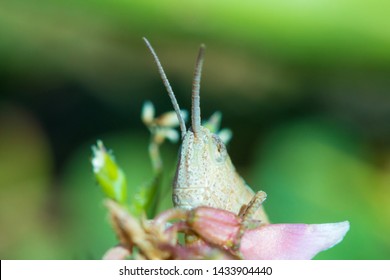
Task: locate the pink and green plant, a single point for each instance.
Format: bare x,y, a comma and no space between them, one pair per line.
200,233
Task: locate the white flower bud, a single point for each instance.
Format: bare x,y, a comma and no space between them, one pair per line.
98,156
226,135
170,119
147,114
172,135
214,122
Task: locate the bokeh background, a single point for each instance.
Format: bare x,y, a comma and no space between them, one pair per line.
304,85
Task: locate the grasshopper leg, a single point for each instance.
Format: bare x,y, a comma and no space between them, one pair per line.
247,214
248,211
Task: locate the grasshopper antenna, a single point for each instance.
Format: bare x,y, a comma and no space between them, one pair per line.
195,110
168,87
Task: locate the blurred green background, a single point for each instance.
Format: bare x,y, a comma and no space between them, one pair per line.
304,85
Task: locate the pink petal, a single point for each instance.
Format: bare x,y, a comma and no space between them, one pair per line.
291,241
117,253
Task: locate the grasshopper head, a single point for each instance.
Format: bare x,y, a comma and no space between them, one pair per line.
201,170
203,159
204,168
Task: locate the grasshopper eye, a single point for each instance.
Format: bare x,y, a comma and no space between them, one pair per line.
218,149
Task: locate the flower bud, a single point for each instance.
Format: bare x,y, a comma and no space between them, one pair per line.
225,135
169,119
214,122
216,226
147,114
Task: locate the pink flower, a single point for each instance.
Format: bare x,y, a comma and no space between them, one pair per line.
217,234
266,242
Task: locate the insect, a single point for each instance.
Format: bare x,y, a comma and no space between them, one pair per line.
205,175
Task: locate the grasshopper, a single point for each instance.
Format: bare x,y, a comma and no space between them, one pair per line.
205,175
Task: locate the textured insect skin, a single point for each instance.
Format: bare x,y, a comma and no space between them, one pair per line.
205,175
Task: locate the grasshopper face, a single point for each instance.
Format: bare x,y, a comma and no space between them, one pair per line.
202,159
205,175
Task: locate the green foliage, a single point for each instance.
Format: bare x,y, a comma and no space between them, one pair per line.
146,200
